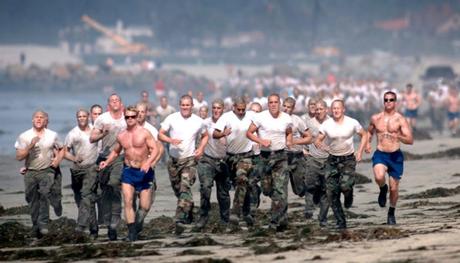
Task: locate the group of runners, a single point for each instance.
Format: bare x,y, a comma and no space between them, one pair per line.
248,148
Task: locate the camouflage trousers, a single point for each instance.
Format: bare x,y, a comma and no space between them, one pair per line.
39,194
84,186
274,181
315,182
297,167
241,167
110,183
340,177
182,174
212,170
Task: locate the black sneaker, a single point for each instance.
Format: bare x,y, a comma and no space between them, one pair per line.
112,234
348,198
391,220
383,196
58,209
201,223
249,220
180,228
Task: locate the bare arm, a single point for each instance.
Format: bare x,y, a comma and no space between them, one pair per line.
97,134
306,138
217,134
153,149
161,150
114,154
21,154
319,141
370,132
58,156
289,139
405,136
252,135
204,140
165,138
363,143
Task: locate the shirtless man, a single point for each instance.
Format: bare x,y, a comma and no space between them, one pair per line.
391,129
141,119
412,101
453,109
140,150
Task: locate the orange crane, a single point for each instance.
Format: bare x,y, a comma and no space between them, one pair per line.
126,47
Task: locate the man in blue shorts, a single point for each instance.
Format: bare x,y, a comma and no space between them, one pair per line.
140,150
391,129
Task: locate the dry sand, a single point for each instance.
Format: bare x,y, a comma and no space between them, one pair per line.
428,228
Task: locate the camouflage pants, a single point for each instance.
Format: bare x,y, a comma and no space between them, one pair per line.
110,182
315,182
274,181
340,177
38,185
84,186
240,166
297,167
182,174
210,170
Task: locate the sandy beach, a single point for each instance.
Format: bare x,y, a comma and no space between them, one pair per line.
428,228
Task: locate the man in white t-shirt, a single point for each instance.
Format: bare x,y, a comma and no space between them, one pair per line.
213,168
83,154
184,128
315,177
106,128
297,163
272,130
164,109
37,147
233,126
341,163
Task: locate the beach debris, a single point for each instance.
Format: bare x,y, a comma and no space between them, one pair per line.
362,179
14,234
194,252
62,231
434,193
17,210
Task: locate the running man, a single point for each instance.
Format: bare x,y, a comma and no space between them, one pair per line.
185,128
391,129
37,147
140,149
272,129
106,129
341,163
83,154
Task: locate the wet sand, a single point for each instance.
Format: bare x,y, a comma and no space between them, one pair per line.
428,228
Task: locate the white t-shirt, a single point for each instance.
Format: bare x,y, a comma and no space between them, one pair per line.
114,126
164,112
340,135
41,156
151,129
186,129
273,129
78,142
313,125
298,128
215,148
237,142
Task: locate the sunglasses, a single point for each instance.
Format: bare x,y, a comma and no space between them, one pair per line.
389,100
127,117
